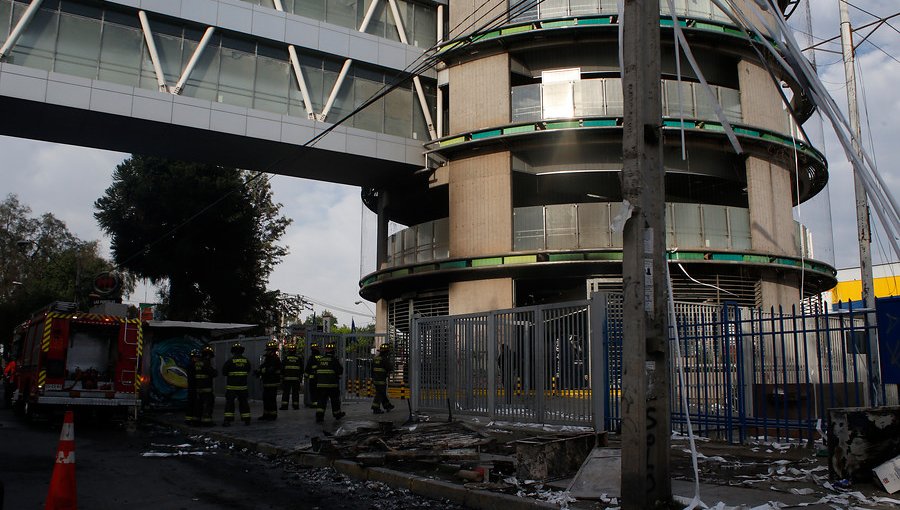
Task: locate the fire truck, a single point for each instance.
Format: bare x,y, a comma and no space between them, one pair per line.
69,358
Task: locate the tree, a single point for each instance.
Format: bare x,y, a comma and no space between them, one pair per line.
42,262
205,232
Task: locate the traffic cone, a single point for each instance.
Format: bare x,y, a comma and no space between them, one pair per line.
61,495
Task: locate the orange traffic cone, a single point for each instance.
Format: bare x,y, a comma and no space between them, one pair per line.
62,484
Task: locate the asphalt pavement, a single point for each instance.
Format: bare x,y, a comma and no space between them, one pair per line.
296,434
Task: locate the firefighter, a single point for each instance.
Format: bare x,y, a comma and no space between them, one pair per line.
236,371
270,373
310,397
9,382
192,414
291,373
381,370
205,373
328,378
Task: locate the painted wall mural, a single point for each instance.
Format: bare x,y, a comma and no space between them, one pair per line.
168,369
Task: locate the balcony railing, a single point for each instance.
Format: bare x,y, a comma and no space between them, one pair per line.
589,226
603,97
550,9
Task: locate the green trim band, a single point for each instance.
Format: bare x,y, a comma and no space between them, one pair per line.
606,255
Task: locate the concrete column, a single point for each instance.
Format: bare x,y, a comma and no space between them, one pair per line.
769,191
480,187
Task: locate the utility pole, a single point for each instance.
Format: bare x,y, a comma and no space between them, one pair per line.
646,425
862,212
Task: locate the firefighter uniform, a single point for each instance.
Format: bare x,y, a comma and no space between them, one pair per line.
328,378
310,397
205,373
192,412
270,373
236,371
381,369
291,373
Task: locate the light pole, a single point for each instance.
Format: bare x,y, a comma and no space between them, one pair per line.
367,307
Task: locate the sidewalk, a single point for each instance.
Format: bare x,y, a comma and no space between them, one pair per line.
295,431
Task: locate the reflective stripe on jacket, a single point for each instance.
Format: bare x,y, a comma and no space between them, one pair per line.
291,367
328,371
236,371
270,371
381,367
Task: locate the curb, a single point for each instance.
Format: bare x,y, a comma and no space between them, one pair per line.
422,486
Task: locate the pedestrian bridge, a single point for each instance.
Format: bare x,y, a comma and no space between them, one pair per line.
238,83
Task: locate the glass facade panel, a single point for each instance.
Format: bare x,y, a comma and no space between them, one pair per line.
686,218
424,242
706,105
715,227
528,228
314,9
419,126
557,100
589,101
398,110
670,227
371,118
343,13
272,81
554,8
120,55
170,56
593,225
204,80
78,46
409,246
35,47
442,238
582,7
5,18
424,27
730,99
615,237
739,226
526,103
236,72
562,227
615,104
676,105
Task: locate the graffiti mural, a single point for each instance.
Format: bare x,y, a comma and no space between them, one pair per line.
168,369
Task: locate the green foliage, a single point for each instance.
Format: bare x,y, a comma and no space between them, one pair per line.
206,233
42,262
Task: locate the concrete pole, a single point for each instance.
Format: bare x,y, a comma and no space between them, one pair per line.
646,425
862,211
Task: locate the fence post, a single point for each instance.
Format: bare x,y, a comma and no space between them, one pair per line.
540,363
452,363
597,332
492,365
414,359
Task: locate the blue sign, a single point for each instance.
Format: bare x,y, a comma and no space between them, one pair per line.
888,316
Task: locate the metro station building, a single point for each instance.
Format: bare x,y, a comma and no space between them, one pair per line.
494,173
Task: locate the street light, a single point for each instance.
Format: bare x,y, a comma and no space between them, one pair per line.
366,305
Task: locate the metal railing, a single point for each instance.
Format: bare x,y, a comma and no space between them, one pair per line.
748,373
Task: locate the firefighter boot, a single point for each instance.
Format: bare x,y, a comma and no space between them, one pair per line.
340,414
284,407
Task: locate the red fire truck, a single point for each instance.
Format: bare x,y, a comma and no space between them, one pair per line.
69,358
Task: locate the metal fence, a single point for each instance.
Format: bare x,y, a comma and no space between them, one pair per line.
747,373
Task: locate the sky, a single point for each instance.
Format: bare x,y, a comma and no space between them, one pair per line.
325,237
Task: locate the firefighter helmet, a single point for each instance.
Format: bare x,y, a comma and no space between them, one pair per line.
329,347
195,353
237,348
314,347
208,351
271,345
290,347
384,347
